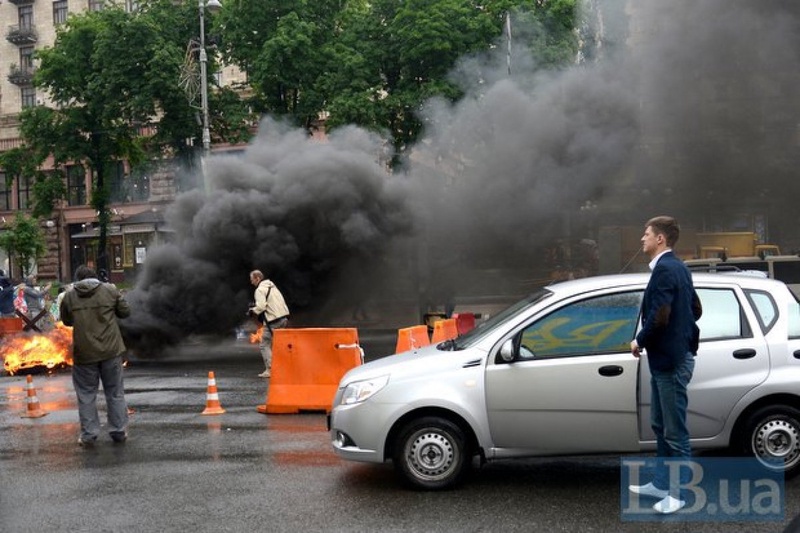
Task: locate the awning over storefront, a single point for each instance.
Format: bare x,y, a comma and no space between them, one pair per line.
150,221
94,233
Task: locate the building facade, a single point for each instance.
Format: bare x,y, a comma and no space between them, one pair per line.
71,232
138,196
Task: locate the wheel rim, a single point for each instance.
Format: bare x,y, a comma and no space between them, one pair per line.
431,455
777,440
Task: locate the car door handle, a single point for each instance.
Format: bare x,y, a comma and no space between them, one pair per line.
610,370
744,353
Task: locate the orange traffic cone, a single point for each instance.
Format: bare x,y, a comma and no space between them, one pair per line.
33,411
212,398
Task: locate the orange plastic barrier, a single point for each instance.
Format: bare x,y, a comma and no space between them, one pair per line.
213,406
444,330
33,410
411,338
464,322
10,325
307,365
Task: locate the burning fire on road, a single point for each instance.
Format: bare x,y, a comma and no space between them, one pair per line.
25,351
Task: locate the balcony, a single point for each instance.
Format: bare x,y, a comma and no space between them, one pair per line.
21,76
21,2
22,34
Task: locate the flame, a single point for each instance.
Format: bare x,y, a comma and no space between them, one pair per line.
255,338
22,351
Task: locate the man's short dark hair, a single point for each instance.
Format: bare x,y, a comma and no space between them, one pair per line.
84,272
666,226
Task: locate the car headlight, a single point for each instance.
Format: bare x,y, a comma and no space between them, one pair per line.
358,391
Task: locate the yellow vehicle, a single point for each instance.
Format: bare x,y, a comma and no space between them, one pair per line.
620,249
732,244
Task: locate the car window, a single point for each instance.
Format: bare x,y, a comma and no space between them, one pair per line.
723,317
603,324
794,320
766,308
484,328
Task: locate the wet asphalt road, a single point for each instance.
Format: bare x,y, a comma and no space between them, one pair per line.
245,471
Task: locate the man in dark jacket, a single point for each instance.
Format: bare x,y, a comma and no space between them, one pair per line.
6,296
92,308
670,309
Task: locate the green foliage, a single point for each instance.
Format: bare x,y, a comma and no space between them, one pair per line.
47,190
374,63
367,62
17,162
24,241
283,47
552,37
109,73
232,118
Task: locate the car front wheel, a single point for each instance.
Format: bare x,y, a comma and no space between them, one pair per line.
431,453
773,437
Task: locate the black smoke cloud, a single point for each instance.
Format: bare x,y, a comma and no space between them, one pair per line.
516,157
683,106
717,84
292,207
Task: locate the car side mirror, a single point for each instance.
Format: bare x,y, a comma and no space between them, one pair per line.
507,352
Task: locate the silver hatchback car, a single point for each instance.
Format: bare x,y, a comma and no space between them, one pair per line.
553,375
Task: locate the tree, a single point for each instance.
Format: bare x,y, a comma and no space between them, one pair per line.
400,54
111,73
374,63
24,241
282,45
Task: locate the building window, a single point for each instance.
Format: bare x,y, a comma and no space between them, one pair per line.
117,179
26,58
60,10
131,187
131,5
5,193
135,248
24,192
26,17
139,182
28,96
76,185
96,5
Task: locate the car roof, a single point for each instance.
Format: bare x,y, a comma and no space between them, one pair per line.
742,279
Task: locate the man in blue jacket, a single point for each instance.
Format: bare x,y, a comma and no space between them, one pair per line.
669,334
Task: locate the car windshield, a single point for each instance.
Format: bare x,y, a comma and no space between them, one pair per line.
484,328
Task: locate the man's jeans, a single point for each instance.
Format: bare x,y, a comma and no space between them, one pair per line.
266,340
86,379
669,402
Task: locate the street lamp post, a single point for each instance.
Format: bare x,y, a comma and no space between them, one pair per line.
212,6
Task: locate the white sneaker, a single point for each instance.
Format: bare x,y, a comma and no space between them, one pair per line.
669,505
264,374
649,490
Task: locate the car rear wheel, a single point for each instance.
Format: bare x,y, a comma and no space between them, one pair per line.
773,437
431,453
